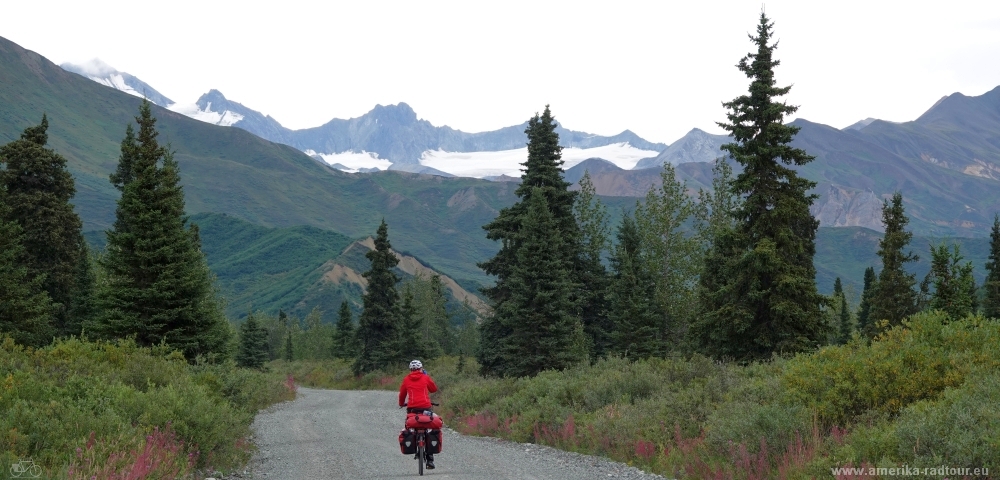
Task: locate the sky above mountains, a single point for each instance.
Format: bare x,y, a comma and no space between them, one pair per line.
657,68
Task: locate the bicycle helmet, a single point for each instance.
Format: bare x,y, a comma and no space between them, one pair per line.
416,365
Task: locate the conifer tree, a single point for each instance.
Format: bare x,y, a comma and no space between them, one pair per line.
431,314
545,332
766,299
412,339
379,325
954,286
289,350
252,352
864,307
158,287
592,218
893,298
543,175
843,314
344,333
637,327
991,301
25,308
38,189
83,306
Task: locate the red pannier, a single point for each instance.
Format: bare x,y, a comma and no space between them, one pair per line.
407,442
435,441
420,420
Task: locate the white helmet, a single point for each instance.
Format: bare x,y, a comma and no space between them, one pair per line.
416,365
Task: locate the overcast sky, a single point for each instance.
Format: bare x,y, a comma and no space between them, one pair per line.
658,68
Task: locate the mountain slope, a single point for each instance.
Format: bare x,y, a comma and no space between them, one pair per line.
229,170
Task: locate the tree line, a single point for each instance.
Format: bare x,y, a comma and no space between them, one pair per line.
151,284
727,273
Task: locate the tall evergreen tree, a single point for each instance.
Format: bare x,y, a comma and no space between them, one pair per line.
864,307
344,333
252,351
954,286
545,332
766,300
413,341
543,175
158,287
38,188
637,327
379,326
25,308
431,314
893,298
991,301
592,218
289,348
843,314
83,302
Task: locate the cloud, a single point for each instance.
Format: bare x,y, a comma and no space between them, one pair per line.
91,68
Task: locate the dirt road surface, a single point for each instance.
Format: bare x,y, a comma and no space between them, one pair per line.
332,434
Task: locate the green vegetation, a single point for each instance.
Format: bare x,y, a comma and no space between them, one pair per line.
763,297
81,409
991,302
917,395
156,284
38,190
380,326
539,270
893,297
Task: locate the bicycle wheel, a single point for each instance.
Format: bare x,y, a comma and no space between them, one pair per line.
35,471
420,456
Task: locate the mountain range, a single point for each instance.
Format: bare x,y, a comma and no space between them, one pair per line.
438,219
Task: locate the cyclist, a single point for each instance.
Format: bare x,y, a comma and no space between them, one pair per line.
418,385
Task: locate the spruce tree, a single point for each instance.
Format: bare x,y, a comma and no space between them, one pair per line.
592,218
545,331
991,301
252,352
378,326
766,299
864,307
158,287
38,188
344,334
83,302
636,322
25,308
843,314
954,286
289,350
893,298
543,175
431,314
413,341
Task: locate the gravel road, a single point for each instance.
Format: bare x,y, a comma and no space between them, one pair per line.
327,434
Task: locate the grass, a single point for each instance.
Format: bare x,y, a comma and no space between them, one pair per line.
83,409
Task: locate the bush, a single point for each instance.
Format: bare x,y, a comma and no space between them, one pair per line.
913,362
97,406
962,429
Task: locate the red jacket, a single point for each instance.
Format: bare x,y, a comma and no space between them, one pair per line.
416,385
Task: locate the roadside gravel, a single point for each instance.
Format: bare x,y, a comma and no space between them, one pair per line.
327,434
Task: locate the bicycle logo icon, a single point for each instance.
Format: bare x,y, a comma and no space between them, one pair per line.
25,469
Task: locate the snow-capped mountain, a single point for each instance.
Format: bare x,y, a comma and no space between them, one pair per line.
105,74
390,136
